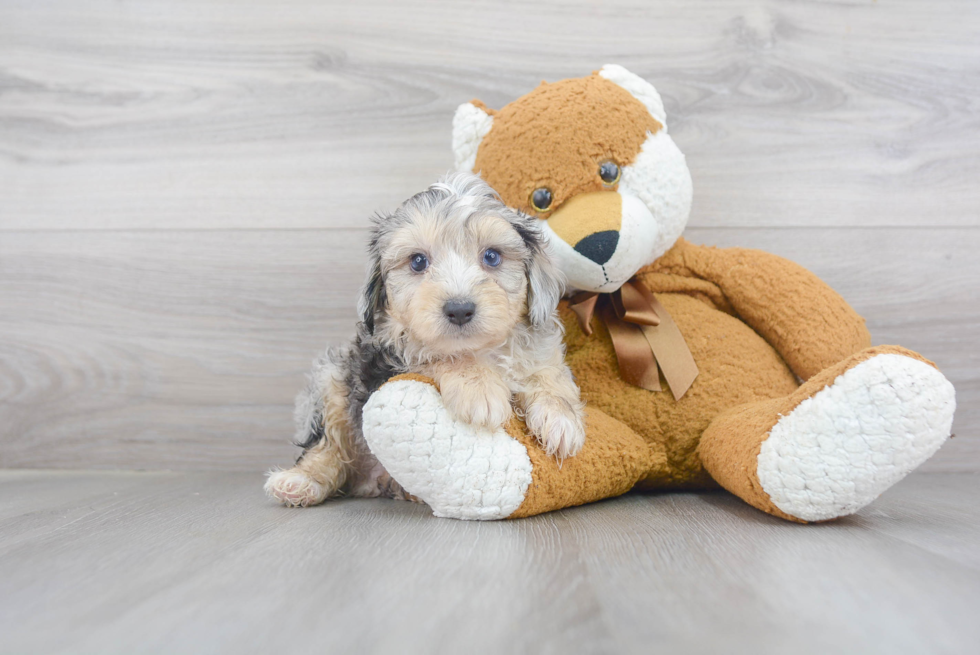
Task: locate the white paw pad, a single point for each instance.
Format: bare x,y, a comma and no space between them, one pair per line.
841,448
459,470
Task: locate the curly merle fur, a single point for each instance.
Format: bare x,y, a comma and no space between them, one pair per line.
329,411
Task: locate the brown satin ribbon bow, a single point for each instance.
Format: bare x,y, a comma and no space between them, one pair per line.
643,334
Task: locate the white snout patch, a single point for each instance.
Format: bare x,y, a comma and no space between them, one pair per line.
638,238
656,191
638,235
659,177
841,448
460,471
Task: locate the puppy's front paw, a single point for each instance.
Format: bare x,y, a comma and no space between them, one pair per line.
557,425
484,401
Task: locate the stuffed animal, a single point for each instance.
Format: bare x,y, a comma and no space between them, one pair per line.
700,366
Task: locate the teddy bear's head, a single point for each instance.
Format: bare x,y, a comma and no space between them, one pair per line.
592,159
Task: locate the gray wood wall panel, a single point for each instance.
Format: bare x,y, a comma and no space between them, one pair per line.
184,349
184,185
305,113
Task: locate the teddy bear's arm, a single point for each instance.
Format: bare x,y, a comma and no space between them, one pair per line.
808,323
466,472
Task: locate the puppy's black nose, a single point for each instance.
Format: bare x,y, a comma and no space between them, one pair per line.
459,312
599,247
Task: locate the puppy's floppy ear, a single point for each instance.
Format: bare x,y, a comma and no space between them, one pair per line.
375,297
545,281
374,300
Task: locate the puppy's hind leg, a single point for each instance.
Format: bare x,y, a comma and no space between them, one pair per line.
323,431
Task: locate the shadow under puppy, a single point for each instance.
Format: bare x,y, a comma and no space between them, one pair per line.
461,289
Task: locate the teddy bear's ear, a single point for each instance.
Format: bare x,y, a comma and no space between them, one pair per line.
470,124
639,88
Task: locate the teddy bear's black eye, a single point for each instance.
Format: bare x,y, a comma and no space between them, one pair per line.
541,199
609,172
419,262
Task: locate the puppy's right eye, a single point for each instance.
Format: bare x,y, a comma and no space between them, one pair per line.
541,199
419,262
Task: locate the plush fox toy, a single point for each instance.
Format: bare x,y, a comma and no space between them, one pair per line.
700,366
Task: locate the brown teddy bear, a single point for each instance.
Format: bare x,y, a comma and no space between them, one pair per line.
700,366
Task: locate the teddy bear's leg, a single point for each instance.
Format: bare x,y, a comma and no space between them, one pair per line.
838,442
466,472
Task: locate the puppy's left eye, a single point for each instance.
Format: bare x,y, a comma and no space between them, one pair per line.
419,262
491,257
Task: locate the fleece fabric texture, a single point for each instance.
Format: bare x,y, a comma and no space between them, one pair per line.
842,447
609,465
796,312
469,473
635,436
729,448
459,470
550,138
706,291
756,324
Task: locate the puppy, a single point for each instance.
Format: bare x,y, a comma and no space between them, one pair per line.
460,289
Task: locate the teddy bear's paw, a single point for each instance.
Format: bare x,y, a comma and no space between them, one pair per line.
841,448
459,470
558,427
294,488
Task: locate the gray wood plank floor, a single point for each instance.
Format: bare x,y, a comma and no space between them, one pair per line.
117,562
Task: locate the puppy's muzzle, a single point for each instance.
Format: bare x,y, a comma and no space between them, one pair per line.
459,312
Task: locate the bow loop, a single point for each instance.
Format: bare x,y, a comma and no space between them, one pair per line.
643,335
634,306
583,304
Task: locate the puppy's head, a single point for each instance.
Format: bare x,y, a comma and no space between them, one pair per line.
454,269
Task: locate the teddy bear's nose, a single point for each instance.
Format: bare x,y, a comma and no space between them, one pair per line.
599,247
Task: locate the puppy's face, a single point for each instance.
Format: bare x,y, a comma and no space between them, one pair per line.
456,284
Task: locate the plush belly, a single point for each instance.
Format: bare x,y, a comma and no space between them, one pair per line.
736,366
